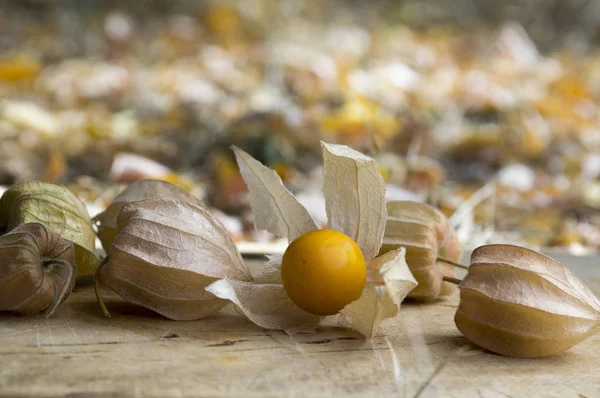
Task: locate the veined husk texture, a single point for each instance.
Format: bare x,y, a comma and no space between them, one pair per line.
57,208
520,303
354,194
37,269
427,235
166,252
139,190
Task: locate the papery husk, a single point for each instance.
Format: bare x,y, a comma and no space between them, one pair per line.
57,208
389,281
266,305
427,235
354,193
37,269
140,190
166,252
275,209
520,303
264,300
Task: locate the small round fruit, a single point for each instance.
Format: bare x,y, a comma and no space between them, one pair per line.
323,271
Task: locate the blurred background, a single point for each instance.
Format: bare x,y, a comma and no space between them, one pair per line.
485,109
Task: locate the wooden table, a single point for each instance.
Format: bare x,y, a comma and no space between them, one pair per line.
79,353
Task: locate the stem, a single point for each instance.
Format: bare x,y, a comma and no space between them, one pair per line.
456,281
67,271
457,265
97,288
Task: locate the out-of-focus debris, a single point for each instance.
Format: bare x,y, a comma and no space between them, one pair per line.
424,174
591,194
392,167
517,176
19,68
445,111
18,164
124,125
118,26
55,168
128,167
28,115
233,225
314,202
396,193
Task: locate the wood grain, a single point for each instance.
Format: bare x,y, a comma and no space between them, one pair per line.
78,353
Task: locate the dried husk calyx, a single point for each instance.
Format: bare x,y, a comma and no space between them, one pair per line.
165,253
430,243
58,209
140,190
37,269
354,193
520,303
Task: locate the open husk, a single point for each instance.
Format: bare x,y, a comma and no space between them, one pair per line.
355,202
428,237
389,280
37,269
166,252
57,208
520,303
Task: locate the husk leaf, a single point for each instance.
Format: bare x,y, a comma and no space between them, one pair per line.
275,208
264,301
265,304
355,196
388,282
37,269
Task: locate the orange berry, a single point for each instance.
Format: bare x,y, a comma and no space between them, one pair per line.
323,271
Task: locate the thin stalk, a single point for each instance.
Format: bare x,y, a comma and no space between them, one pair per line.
457,265
456,281
97,289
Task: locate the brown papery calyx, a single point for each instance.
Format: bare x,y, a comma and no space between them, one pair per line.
37,270
432,247
165,253
520,303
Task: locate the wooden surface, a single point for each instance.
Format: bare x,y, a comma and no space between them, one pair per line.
78,353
